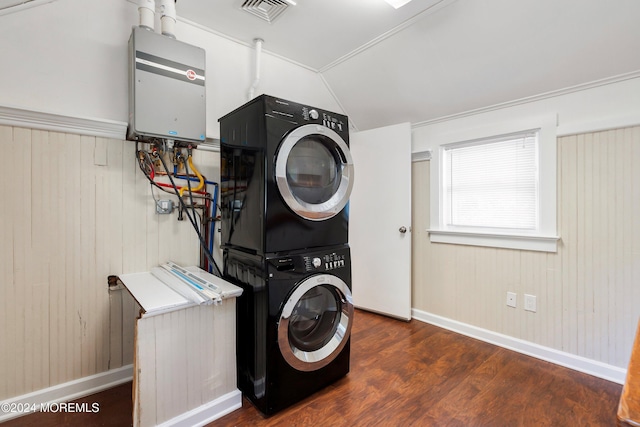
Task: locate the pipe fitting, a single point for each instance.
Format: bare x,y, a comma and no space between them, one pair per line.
147,12
168,18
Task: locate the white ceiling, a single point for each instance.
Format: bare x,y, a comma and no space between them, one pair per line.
434,58
313,33
477,53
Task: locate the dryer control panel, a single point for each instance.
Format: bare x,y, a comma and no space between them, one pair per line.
303,114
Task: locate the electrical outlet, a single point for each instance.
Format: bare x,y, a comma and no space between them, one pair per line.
511,299
164,206
530,302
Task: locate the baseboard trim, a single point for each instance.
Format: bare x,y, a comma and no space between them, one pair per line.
70,390
208,412
568,360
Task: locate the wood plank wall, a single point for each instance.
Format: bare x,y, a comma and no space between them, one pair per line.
182,363
74,210
588,293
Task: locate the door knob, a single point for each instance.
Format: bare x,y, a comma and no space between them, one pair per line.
402,229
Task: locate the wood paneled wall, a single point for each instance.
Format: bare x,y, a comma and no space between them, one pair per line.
588,293
74,210
184,359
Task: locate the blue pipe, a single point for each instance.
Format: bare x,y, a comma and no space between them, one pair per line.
214,207
214,211
193,178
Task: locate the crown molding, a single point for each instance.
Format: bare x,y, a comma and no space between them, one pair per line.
20,117
17,6
529,99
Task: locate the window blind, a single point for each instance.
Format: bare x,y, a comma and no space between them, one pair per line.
492,183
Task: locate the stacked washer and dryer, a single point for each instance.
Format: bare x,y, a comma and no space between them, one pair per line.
286,178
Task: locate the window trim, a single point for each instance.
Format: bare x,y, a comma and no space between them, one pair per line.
545,239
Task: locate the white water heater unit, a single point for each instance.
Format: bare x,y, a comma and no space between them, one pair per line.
166,88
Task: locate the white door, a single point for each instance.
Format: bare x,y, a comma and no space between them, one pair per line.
380,220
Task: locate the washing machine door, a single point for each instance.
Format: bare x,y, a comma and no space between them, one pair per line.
314,172
315,323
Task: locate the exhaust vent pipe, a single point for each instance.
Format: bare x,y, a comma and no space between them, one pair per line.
256,80
168,18
147,11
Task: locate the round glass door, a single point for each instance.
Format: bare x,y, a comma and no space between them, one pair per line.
314,172
315,323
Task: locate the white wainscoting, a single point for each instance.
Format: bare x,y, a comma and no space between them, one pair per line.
186,366
75,209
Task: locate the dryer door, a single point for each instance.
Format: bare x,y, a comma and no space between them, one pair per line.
315,323
314,172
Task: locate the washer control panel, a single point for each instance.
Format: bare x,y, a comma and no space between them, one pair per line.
336,258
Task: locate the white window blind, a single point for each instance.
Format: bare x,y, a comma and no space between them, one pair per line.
492,183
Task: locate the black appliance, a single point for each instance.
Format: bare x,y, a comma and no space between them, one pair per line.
294,321
286,177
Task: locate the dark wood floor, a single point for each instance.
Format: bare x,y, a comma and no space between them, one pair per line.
413,374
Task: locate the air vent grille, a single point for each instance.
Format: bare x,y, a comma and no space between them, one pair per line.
267,10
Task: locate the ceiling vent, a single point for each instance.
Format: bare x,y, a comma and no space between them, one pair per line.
267,10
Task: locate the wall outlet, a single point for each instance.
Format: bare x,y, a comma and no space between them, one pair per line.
530,302
511,299
164,207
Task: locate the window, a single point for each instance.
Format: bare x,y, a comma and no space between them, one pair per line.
493,181
492,184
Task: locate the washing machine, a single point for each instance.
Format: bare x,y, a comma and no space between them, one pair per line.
286,176
294,321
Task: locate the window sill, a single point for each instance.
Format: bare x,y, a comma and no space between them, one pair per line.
507,241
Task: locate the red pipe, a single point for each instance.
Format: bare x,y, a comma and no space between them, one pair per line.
152,175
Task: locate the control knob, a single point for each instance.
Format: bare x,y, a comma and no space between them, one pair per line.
314,114
317,262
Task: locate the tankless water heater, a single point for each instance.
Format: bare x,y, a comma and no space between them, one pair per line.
166,88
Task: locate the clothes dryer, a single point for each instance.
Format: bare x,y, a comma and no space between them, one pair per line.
286,176
294,322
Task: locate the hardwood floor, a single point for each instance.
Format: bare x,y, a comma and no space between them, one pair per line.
417,374
413,374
